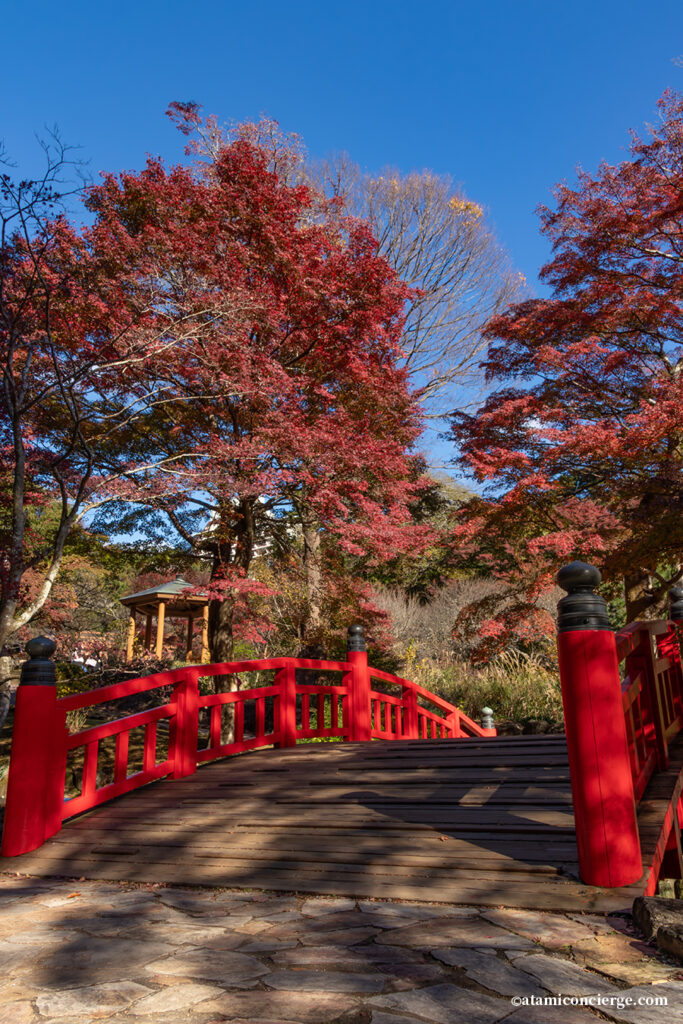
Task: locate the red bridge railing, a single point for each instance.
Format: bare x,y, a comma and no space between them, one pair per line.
623,705
652,696
236,720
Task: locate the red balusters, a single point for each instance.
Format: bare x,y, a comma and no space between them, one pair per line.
121,757
602,785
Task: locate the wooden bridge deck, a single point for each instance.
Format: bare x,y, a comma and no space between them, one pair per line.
483,822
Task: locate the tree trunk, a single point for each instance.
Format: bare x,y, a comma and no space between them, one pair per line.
237,524
312,625
221,649
221,639
640,599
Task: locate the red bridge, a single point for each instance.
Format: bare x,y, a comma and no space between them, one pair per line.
437,808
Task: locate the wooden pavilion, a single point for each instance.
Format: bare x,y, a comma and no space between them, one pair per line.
168,600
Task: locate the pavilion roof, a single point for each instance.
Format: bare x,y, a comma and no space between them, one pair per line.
174,588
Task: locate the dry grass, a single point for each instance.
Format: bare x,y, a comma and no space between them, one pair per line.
518,687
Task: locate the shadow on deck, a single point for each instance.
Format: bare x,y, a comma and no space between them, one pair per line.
484,822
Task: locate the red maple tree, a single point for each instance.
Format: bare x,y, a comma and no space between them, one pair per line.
80,332
288,393
582,441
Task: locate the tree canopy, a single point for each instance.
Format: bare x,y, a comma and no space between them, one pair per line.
582,439
219,347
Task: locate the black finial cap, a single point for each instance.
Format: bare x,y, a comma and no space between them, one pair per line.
355,641
577,576
676,604
581,608
39,670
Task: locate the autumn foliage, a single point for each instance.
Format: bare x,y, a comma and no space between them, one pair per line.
581,440
218,352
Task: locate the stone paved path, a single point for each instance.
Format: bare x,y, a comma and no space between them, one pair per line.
76,952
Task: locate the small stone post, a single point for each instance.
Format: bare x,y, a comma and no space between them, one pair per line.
35,786
602,783
487,721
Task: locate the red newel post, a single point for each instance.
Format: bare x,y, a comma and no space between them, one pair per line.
35,786
602,783
357,657
286,680
185,726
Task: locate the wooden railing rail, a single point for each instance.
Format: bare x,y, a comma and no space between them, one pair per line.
405,718
652,694
192,727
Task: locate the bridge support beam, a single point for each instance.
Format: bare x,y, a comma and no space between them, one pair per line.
602,783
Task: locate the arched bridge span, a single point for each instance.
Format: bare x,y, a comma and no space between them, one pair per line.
437,808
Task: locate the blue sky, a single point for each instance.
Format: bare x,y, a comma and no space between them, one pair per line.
508,98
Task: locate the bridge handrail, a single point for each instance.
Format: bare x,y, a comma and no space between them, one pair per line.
455,723
628,637
283,712
130,687
652,695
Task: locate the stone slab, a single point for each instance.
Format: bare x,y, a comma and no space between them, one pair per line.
489,971
559,976
326,981
93,1000
296,1007
445,1004
455,932
20,1012
672,1013
176,997
222,966
550,930
317,907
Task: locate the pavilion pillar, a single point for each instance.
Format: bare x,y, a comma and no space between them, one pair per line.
190,630
205,635
148,632
131,636
161,615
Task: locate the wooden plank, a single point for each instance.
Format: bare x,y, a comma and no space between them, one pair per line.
331,838
478,796
233,863
558,896
354,848
240,867
472,823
